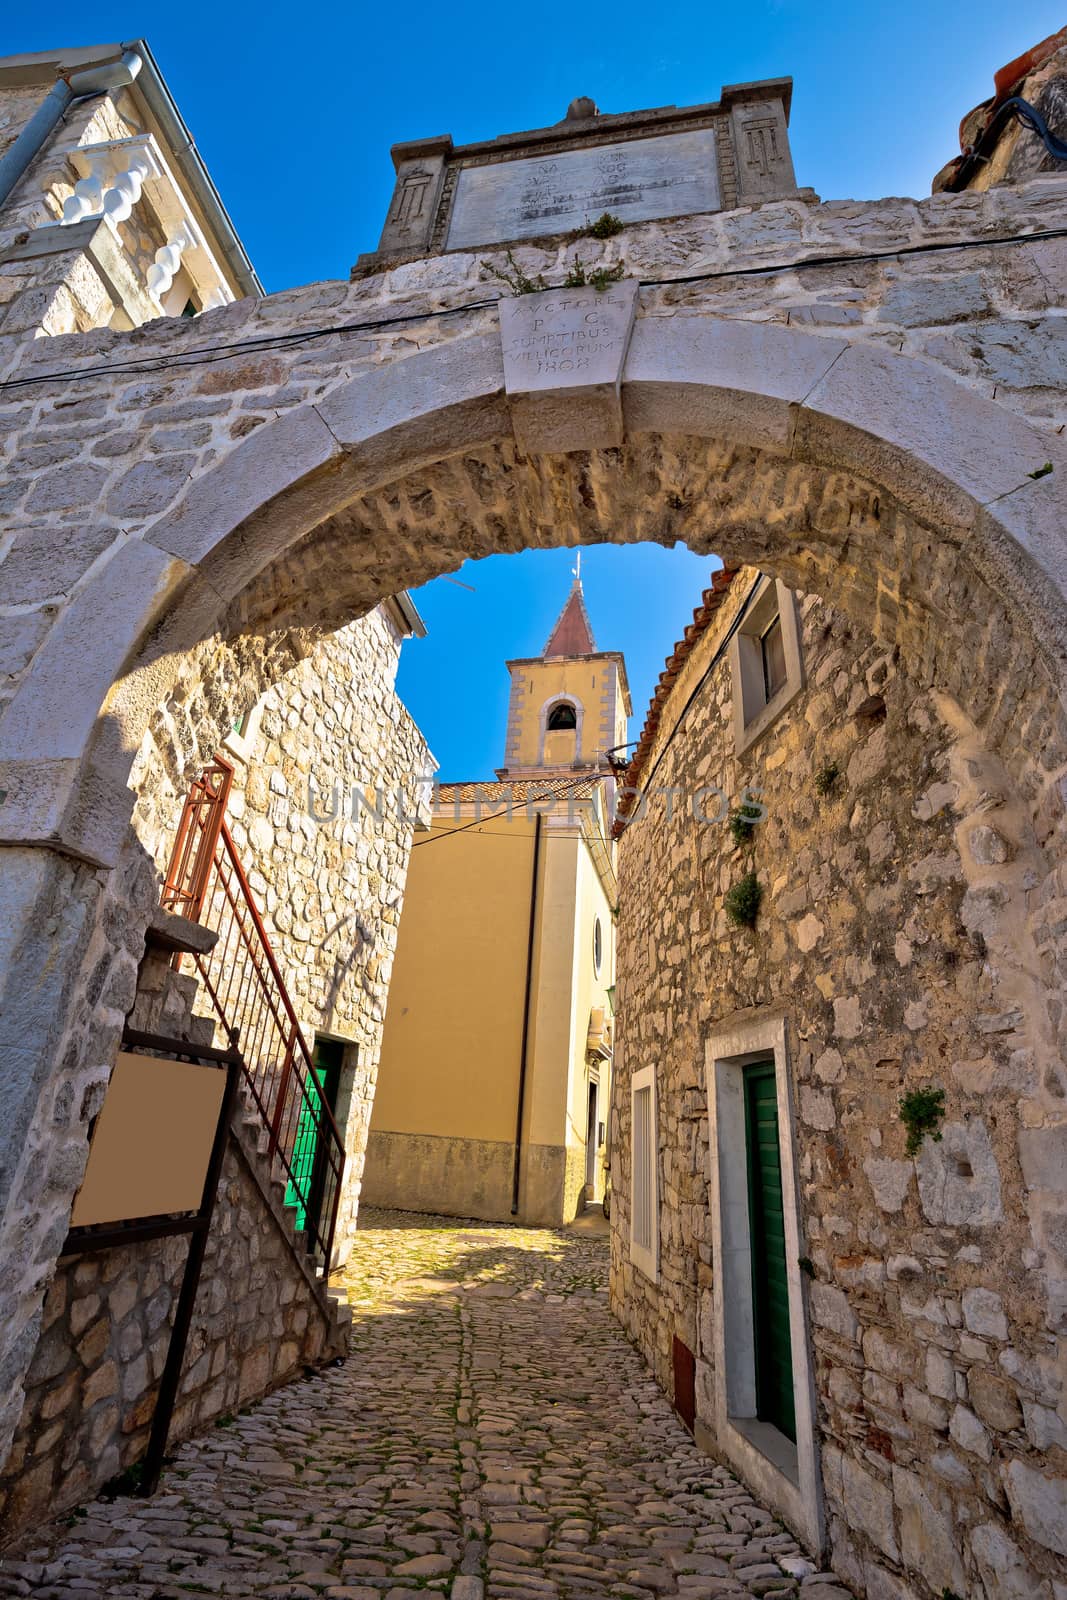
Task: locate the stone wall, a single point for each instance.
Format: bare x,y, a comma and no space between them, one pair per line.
330,887
331,893
92,1385
897,934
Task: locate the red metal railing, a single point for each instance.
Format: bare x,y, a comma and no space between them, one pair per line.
245,984
193,856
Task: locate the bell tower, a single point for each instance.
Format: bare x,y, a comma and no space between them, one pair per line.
569,705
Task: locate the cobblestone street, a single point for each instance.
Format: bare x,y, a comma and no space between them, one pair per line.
491,1434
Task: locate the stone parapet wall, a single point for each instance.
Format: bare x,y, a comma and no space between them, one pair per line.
897,932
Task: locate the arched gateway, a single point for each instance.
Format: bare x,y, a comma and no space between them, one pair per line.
275,468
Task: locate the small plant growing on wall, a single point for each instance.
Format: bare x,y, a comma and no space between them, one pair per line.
743,821
742,902
922,1111
513,277
599,278
606,226
826,778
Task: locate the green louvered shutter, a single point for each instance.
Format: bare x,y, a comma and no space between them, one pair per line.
770,1288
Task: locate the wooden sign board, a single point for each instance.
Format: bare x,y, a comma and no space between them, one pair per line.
152,1141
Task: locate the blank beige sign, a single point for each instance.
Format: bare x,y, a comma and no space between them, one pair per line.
152,1141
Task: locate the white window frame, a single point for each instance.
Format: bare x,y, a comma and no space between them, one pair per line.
787,1475
645,1257
753,712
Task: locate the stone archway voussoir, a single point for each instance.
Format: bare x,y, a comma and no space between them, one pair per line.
49,723
715,378
939,447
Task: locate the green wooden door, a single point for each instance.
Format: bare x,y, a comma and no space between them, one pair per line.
301,1190
770,1288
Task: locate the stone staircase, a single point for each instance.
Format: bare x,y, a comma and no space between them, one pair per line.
165,1004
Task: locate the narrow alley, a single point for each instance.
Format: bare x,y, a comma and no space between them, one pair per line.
491,1434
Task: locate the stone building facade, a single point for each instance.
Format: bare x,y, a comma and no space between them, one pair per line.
895,949
863,398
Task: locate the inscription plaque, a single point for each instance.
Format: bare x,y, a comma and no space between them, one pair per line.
564,351
638,180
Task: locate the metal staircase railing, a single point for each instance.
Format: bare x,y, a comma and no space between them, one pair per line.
207,883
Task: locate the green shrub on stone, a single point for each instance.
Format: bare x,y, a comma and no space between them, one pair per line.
742,902
742,822
826,778
922,1112
606,226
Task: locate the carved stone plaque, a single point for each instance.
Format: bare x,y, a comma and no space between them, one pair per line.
563,357
672,175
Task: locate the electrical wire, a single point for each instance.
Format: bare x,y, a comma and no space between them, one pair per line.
208,355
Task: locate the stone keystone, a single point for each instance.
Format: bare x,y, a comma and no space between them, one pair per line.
564,351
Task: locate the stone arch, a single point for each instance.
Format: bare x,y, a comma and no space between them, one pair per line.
915,504
957,465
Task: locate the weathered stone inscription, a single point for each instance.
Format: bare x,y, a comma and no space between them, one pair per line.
563,358
672,175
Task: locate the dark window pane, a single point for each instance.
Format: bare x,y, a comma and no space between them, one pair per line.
561,716
772,646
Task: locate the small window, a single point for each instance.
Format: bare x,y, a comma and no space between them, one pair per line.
644,1198
598,946
562,717
241,725
765,661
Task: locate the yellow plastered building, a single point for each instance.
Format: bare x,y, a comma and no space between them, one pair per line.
494,1085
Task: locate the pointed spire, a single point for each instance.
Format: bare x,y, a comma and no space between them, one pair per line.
573,633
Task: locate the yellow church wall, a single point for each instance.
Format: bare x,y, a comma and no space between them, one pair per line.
443,1124
450,1054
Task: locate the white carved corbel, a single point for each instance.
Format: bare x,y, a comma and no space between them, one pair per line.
164,269
125,190
114,175
88,197
112,178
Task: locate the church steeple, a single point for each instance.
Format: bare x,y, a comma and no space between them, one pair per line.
572,634
568,705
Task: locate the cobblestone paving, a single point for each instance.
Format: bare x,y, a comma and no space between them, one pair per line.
491,1435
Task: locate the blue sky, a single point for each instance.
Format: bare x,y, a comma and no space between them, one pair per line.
294,110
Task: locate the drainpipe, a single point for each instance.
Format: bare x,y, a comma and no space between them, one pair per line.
59,99
516,1169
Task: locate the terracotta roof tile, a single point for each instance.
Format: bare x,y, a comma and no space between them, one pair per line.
520,789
